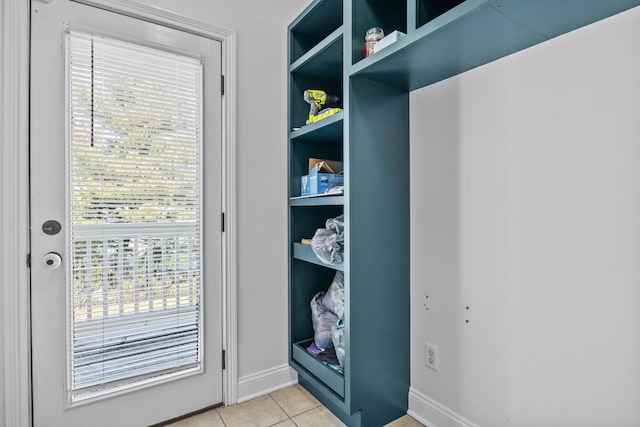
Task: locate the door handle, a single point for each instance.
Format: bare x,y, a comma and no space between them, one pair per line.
52,260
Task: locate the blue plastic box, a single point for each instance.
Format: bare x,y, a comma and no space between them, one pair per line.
318,180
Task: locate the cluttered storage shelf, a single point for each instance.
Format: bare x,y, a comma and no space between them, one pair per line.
352,64
317,196
328,330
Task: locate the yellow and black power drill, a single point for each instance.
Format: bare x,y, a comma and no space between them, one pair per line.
317,98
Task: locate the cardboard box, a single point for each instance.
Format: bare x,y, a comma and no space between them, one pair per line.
323,174
388,40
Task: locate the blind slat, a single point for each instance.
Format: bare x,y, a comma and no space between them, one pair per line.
135,210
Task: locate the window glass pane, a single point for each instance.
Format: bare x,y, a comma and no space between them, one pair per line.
134,196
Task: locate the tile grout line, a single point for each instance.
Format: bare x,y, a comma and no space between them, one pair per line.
220,416
283,411
308,410
290,417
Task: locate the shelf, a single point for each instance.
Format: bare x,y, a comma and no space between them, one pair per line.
314,24
320,68
324,58
329,129
328,376
428,10
475,33
320,140
320,200
305,253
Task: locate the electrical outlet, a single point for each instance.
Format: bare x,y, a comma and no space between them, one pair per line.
431,356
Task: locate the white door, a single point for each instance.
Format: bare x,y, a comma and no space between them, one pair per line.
126,179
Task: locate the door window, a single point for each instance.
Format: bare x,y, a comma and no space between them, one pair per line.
134,170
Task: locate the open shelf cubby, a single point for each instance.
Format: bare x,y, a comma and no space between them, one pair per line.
311,28
389,16
428,10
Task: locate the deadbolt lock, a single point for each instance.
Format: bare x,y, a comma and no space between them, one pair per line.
51,227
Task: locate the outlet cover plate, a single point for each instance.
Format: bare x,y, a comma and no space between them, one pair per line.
431,356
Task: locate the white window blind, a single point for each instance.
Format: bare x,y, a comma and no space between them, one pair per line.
134,197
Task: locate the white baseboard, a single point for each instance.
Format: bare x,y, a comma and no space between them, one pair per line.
265,382
434,414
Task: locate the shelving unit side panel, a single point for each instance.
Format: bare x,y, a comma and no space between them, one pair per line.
377,214
291,312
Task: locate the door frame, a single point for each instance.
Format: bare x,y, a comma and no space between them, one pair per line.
14,193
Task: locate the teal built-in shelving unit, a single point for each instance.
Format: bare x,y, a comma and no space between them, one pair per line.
371,137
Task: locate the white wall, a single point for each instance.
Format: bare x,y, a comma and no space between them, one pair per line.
525,205
2,403
2,399
261,168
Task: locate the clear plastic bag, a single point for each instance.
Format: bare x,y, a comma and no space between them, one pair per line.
337,336
333,300
323,321
328,242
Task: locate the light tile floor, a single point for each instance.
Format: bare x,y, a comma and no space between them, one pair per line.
289,407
